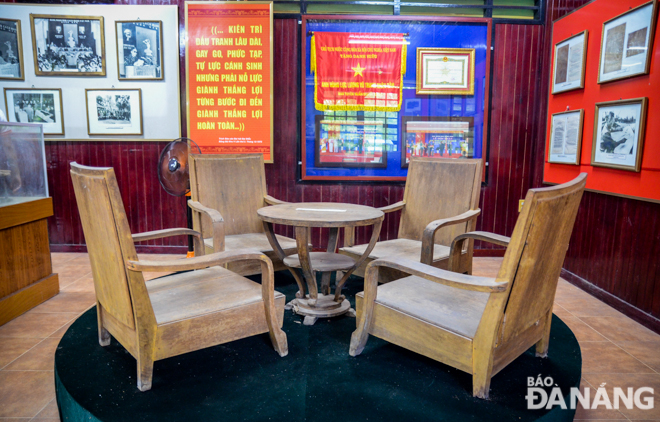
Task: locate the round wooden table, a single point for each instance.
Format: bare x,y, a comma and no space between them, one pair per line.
303,216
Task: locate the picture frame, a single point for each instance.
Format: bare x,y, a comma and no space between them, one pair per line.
569,64
113,111
351,142
627,44
66,45
11,50
139,50
565,141
445,71
618,140
436,136
36,105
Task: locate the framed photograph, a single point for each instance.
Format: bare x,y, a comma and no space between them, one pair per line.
11,50
343,140
436,136
114,111
140,50
566,137
445,71
625,47
34,105
68,45
570,62
619,134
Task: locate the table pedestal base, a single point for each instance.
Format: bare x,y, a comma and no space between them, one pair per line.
325,307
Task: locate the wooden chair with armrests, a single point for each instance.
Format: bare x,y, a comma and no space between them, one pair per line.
226,192
440,201
477,324
177,313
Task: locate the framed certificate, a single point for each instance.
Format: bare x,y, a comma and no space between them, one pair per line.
566,137
625,48
569,65
445,71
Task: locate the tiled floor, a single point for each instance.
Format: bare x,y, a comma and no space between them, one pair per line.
616,351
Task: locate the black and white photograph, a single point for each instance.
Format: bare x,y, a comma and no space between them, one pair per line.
570,60
566,137
68,45
139,49
625,49
619,134
11,50
114,111
32,105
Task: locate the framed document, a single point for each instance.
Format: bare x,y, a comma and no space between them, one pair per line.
114,111
33,105
619,134
570,60
445,71
68,45
139,50
566,137
11,50
625,48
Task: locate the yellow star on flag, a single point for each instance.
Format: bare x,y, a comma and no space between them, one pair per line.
358,70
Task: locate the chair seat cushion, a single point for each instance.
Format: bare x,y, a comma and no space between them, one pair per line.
257,241
189,294
404,248
452,309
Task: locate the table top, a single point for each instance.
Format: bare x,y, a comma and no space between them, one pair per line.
320,214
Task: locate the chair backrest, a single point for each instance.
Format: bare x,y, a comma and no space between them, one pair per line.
439,188
108,239
536,253
235,185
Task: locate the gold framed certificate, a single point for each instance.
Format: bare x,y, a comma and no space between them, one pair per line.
445,71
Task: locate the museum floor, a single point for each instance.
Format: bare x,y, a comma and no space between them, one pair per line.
615,349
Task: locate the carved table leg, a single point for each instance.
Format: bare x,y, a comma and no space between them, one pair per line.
332,247
306,264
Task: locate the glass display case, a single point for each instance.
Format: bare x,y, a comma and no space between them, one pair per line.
22,163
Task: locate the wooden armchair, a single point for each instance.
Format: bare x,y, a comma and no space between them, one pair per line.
441,201
477,324
177,313
226,192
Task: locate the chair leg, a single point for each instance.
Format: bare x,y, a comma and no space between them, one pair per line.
358,339
145,371
277,336
542,345
482,371
104,335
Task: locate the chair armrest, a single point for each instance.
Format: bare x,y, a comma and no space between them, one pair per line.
159,234
459,241
197,263
448,278
392,207
273,201
428,236
217,222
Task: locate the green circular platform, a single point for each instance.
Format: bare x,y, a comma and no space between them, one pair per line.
318,381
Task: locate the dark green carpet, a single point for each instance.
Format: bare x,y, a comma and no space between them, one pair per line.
318,381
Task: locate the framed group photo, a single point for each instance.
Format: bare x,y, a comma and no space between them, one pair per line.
619,134
351,141
139,50
570,60
566,137
625,49
11,50
68,45
33,105
436,136
445,71
114,111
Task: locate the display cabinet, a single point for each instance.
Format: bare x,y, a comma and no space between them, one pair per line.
26,274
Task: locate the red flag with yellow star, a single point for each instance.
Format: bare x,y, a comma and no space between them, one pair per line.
358,72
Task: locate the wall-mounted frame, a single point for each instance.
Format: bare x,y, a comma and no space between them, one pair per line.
436,136
570,60
445,71
34,105
11,50
68,45
139,50
565,142
626,44
619,134
349,142
114,111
